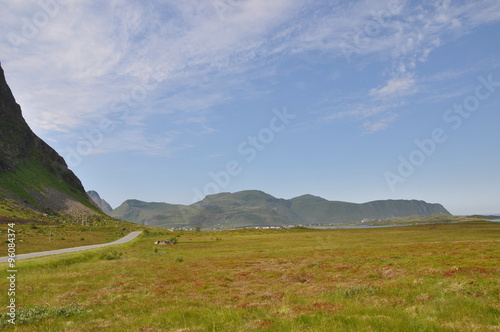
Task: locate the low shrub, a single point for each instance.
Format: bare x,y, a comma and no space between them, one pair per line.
111,255
30,315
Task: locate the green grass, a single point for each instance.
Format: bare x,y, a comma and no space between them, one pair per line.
36,231
12,209
421,278
31,315
41,232
33,176
34,238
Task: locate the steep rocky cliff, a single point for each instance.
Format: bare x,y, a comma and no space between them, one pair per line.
31,172
101,203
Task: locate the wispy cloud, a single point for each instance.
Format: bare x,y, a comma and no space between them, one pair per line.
395,87
86,57
404,36
88,54
373,117
379,124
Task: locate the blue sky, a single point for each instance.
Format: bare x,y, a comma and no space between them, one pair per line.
349,100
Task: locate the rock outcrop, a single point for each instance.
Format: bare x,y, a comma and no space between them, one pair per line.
101,203
31,172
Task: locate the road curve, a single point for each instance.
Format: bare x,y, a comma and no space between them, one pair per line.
124,239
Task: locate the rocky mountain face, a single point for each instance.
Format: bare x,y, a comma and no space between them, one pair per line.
101,203
256,208
31,172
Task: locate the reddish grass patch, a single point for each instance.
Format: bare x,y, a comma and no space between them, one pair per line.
7,220
464,271
265,324
252,305
318,306
424,298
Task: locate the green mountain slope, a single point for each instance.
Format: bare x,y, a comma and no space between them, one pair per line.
248,198
311,211
256,208
32,174
147,213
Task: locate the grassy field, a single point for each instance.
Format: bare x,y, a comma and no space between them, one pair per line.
441,277
34,238
40,232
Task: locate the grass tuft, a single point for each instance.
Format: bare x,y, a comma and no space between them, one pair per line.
34,314
111,255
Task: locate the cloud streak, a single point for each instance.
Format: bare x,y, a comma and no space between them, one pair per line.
395,86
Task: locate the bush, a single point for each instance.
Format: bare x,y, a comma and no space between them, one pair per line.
111,255
29,315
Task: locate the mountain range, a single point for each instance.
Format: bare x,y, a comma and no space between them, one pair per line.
253,208
32,174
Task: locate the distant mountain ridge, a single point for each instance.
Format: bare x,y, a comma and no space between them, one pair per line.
33,174
256,208
102,204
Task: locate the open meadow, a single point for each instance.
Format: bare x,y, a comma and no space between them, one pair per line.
35,237
441,277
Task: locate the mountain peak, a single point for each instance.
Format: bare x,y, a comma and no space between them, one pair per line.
101,203
308,198
31,172
240,198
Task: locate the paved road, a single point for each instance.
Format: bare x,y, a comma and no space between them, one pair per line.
124,239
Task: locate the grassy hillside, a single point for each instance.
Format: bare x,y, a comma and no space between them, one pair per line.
149,213
312,210
31,179
35,238
420,278
37,231
248,198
